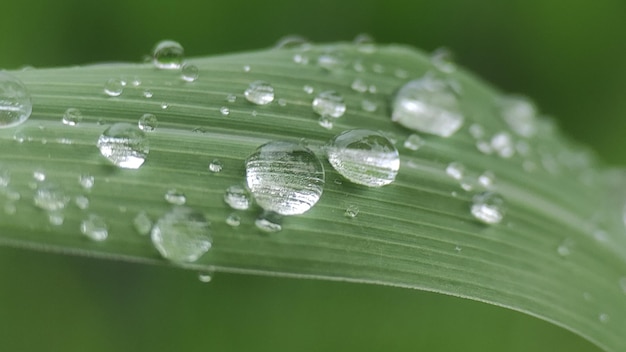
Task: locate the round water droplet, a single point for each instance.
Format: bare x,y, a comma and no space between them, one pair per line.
259,93
81,202
237,197
351,211
520,114
182,235
477,131
50,197
247,68
216,166
72,117
142,223
488,207
124,145
205,277
359,85
487,179
331,62
329,103
189,73
443,60
225,111
414,142
292,42
503,144
565,248
148,122
233,220
15,103
168,55
364,157
231,98
174,196
147,94
113,87
427,105
269,222
365,43
325,122
456,170
308,89
604,318
86,181
56,218
282,102
284,177
95,228
368,105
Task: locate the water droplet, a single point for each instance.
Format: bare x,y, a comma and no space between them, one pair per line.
135,81
231,98
330,62
414,142
368,105
95,228
300,59
113,87
358,66
372,89
142,223
165,106
225,111
427,105
237,197
247,68
19,137
50,197
10,208
487,179
282,102
351,211
308,89
189,73
173,196
269,222
147,122
503,144
182,235
326,122
365,43
477,131
565,248
458,249
378,68
260,93
402,74
12,195
205,277
284,177
358,85
443,60
329,103
600,235
81,202
364,157
124,145
86,181
168,55
233,220
604,318
147,93
72,117
520,114
488,207
56,218
15,102
216,166
456,170
292,42
5,176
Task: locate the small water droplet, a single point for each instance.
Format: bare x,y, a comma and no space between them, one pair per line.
189,73
326,122
413,142
15,102
56,218
72,117
86,181
216,166
135,81
247,68
284,177
165,106
308,89
604,318
142,223
368,105
564,249
95,228
378,68
81,202
282,102
427,105
225,111
477,131
520,114
443,60
351,211
365,43
148,122
359,85
174,196
330,62
237,197
233,220
400,73
269,222
231,98
329,103
182,235
168,55
259,93
456,170
301,59
205,277
488,207
5,176
50,197
147,94
113,87
39,175
364,157
503,144
124,145
487,179
19,137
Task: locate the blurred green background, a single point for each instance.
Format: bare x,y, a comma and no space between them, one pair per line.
569,56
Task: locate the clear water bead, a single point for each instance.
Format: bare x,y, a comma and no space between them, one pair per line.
284,177
148,122
216,166
113,87
168,55
205,277
292,42
351,211
364,157
225,111
233,220
72,117
142,223
50,197
308,89
124,145
15,102
86,181
359,85
325,122
487,179
414,142
189,73
488,207
329,103
520,114
443,60
427,105
95,228
182,235
237,197
81,202
259,93
174,196
456,170
39,175
269,222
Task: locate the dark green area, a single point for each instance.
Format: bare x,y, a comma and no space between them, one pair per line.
570,56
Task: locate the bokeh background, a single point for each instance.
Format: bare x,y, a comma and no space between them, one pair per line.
569,56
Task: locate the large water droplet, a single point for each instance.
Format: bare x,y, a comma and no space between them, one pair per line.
260,93
329,103
50,197
86,181
124,145
488,207
364,157
520,114
113,87
147,122
72,117
284,177
216,166
427,105
168,55
15,103
237,197
182,235
5,176
95,228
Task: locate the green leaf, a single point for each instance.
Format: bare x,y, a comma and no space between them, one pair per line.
558,254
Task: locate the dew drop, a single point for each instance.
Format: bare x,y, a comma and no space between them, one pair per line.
189,73
364,157
564,249
5,177
282,102
231,98
368,105
175,197
414,142
247,68
165,106
147,122
259,93
443,60
95,228
216,166
300,59
358,85
182,235
86,181
520,114
50,197
113,87
604,318
456,170
487,179
330,62
72,117
168,55
488,207
56,218
225,111
269,222
503,144
427,105
147,94
351,211
365,43
237,197
39,175
329,103
15,102
325,122
233,220
142,223
124,145
81,202
205,277
284,177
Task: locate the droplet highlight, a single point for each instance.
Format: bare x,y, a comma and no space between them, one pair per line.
488,207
